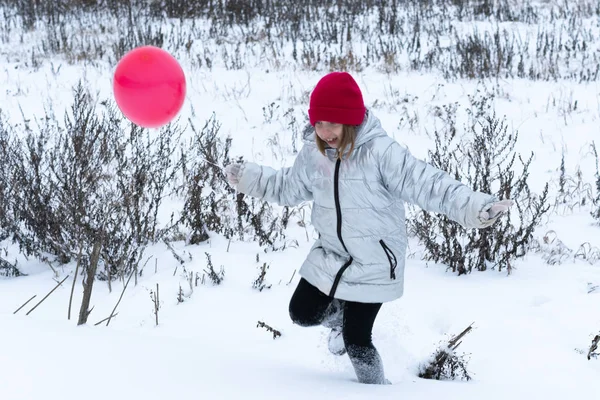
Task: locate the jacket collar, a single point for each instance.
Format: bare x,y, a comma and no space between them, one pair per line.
368,130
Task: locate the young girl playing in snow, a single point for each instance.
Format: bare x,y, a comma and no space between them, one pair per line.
358,178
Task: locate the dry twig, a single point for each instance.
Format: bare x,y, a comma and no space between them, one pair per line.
112,314
18,309
275,332
446,363
594,347
45,297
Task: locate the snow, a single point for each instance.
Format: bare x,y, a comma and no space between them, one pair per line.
532,329
527,329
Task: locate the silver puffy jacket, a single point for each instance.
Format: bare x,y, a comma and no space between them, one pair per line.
358,209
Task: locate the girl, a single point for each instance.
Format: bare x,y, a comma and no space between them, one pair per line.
358,179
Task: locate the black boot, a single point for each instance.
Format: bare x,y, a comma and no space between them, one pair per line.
367,365
334,320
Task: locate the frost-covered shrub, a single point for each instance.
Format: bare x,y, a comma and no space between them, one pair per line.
596,202
446,363
486,162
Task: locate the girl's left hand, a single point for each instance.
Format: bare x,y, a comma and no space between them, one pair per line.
490,214
233,172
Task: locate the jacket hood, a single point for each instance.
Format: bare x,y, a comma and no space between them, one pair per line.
368,130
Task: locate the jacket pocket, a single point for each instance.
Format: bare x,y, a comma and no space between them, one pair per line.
391,258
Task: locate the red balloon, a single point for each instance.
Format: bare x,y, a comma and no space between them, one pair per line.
149,86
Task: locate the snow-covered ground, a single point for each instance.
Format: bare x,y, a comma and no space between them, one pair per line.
532,329
531,332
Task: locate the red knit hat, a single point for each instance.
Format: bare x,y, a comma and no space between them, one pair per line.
337,98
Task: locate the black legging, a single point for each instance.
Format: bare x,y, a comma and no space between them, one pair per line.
310,307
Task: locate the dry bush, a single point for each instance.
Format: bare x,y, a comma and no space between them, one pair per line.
486,162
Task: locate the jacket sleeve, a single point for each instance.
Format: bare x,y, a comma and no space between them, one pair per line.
288,186
434,190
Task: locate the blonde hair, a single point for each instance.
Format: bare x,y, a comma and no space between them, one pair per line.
348,139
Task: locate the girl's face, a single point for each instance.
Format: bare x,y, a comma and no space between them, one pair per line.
330,132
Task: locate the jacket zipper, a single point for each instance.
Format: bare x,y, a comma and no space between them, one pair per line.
391,258
338,209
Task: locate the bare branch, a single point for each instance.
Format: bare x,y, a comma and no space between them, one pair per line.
120,297
45,297
75,280
18,309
